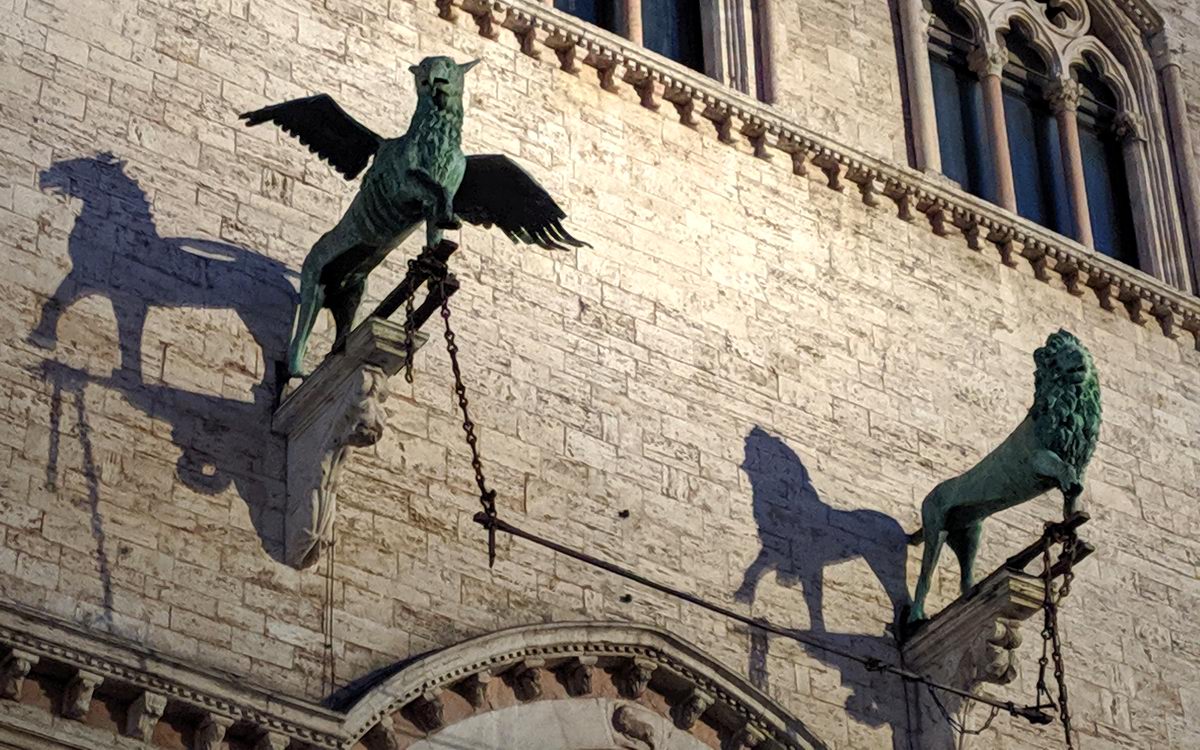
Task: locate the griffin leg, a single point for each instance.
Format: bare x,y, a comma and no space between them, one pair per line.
312,296
965,543
343,307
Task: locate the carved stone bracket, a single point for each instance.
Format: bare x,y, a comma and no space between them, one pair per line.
13,671
338,407
143,716
974,639
576,675
210,734
633,677
688,711
78,697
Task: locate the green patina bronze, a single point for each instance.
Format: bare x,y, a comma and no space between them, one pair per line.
422,176
1050,449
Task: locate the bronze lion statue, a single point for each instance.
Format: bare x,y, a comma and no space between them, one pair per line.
1050,449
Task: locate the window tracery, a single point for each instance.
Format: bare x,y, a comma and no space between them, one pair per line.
1072,122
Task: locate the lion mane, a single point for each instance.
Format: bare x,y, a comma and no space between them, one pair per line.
1066,402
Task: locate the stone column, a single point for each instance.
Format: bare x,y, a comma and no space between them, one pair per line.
1064,100
915,22
771,38
988,61
1167,63
632,10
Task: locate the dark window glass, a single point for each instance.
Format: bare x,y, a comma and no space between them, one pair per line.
1104,169
958,99
1037,161
1033,143
958,103
601,13
672,29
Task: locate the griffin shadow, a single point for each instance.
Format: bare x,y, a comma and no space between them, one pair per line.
116,252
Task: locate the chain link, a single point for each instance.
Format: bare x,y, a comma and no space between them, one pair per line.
408,329
1051,638
487,497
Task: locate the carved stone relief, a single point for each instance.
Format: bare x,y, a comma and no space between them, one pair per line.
337,408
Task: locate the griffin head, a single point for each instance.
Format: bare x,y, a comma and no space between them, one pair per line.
440,79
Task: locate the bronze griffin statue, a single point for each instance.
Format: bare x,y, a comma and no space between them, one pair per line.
420,176
1050,449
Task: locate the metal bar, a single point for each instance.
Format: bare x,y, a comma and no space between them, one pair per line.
412,281
434,301
1030,713
1021,560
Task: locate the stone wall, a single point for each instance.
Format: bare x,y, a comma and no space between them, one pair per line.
767,374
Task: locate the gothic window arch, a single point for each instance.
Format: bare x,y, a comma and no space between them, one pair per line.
1082,120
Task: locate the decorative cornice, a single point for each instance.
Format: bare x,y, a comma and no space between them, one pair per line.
625,650
913,193
525,657
156,681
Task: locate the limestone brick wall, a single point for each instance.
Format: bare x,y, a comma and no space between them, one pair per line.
768,375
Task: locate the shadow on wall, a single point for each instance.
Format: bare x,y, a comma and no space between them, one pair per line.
800,536
116,252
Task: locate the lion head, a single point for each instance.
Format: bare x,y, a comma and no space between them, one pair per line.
1066,399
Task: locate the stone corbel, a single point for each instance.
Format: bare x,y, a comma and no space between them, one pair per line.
382,736
143,715
633,677
689,710
210,733
13,671
272,741
526,679
974,639
834,170
77,698
487,17
684,101
426,711
576,674
526,30
474,688
643,82
338,407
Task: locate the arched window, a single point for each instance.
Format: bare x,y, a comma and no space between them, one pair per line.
1083,121
1102,147
1033,137
958,99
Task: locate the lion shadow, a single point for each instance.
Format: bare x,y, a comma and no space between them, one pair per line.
801,535
116,252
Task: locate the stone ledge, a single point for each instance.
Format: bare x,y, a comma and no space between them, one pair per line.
977,634
747,123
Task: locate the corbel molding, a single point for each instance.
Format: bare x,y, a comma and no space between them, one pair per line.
695,96
337,408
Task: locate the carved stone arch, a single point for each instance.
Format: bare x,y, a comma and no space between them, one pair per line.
1162,248
1110,68
585,686
1000,23
976,19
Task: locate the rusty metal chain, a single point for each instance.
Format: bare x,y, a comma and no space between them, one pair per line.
487,497
408,329
1051,638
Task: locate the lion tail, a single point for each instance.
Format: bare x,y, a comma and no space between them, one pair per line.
915,538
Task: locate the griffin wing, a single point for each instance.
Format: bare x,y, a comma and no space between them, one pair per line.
319,123
495,190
